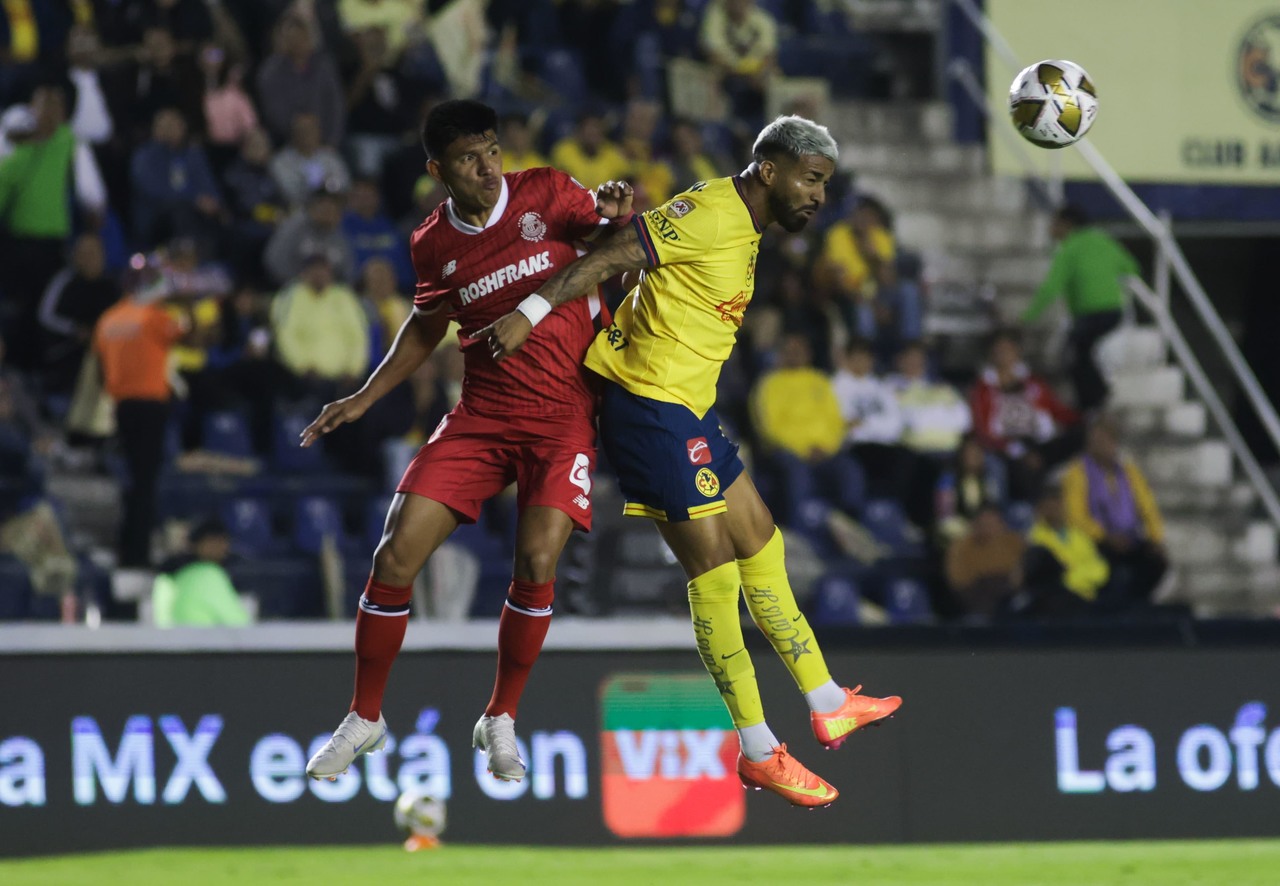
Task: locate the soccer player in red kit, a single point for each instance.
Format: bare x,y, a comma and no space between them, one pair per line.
529,419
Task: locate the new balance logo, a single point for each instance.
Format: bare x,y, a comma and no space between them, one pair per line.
580,476
449,269
582,501
699,451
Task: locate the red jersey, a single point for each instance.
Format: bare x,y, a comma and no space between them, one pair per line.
535,229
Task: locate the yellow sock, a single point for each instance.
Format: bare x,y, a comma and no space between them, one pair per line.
713,601
774,610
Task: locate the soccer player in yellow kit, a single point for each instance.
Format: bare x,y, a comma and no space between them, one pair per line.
660,360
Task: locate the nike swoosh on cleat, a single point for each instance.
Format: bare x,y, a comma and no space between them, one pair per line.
371,740
807,792
732,654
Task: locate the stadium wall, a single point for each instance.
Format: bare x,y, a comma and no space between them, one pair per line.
140,748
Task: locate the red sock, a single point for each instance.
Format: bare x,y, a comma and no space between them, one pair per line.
521,630
380,622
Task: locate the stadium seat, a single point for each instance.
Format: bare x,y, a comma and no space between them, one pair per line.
286,587
249,525
835,600
907,602
314,519
885,520
286,455
376,520
15,589
355,575
1020,515
44,608
227,433
562,72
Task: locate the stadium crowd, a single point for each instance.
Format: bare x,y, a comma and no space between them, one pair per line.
205,207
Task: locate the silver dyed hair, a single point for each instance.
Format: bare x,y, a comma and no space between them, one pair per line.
796,137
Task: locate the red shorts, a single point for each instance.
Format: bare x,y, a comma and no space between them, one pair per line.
470,459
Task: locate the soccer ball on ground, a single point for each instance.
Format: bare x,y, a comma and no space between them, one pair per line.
1053,103
422,818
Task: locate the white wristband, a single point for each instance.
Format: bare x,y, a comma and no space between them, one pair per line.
535,308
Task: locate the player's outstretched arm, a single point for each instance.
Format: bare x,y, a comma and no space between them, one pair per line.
418,337
622,252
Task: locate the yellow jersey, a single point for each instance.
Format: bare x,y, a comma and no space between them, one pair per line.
673,332
841,247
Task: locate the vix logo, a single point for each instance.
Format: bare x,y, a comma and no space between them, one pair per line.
669,755
134,762
686,754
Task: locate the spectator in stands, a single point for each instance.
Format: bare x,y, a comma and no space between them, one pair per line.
934,415
306,165
690,163
36,183
974,481
318,229
984,565
741,41
518,150
133,341
427,195
239,369
377,103
859,246
256,203
1107,498
870,411
165,78
174,192
1064,571
805,306
189,21
459,36
74,300
881,306
297,79
91,121
29,528
653,177
199,285
587,154
373,235
229,114
798,420
390,309
321,332
1017,415
195,590
1089,267
934,418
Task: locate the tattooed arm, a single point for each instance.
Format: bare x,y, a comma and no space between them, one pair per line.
621,252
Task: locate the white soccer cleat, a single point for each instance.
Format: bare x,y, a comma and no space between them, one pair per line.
496,736
353,737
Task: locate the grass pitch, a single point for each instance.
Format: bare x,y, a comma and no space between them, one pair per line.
1207,863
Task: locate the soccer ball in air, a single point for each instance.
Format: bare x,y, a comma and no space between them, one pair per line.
1053,103
422,818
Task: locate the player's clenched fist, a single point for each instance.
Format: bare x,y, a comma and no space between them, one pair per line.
507,334
613,199
339,412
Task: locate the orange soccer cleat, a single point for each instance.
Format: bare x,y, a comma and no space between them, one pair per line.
833,727
786,776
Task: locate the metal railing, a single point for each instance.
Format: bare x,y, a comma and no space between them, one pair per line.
1159,309
1170,261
